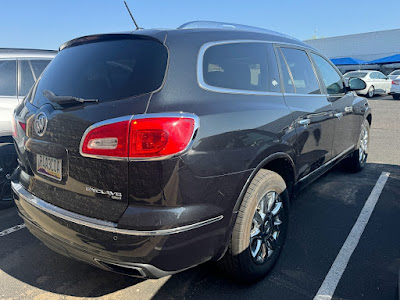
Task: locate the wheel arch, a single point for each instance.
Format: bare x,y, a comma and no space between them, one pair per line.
280,163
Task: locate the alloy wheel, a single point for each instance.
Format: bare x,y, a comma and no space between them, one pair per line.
265,228
363,149
8,162
371,92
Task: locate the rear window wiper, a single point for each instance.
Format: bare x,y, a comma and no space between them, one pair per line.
65,99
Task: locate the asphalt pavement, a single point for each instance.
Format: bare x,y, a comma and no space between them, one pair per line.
322,217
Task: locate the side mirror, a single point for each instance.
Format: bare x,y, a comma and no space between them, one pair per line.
356,84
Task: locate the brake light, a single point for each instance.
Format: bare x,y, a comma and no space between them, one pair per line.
396,82
140,137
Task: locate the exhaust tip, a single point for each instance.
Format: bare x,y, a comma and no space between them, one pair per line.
124,269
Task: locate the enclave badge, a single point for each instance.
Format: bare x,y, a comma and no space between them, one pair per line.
113,195
40,124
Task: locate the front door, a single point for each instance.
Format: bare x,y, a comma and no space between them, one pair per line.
342,105
311,111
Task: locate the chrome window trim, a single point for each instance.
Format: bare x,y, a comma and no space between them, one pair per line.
308,95
100,224
137,117
207,87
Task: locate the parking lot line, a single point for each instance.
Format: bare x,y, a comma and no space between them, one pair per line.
338,267
12,229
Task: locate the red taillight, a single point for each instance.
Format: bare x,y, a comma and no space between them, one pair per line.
140,137
14,125
23,126
107,140
396,82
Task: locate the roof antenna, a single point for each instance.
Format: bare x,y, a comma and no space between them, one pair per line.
133,19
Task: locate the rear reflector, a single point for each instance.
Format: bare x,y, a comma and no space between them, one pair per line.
152,136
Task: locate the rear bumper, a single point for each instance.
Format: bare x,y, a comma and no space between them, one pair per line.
152,254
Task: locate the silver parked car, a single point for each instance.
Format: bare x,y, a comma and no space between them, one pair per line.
377,82
19,69
394,75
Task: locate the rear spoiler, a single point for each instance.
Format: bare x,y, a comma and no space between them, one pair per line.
147,34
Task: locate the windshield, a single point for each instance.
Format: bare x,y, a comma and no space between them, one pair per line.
104,70
355,74
397,72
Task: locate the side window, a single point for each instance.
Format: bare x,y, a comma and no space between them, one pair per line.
304,78
332,80
30,71
239,66
8,78
38,66
373,75
381,76
287,80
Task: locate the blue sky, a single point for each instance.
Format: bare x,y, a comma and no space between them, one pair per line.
46,24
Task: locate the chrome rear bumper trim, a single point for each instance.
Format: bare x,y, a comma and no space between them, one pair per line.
96,223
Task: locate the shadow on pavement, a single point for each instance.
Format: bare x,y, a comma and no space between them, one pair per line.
297,275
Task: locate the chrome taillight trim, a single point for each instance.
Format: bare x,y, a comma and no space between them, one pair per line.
137,117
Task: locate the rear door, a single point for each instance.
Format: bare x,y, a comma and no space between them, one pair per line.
377,82
311,111
8,94
386,82
120,71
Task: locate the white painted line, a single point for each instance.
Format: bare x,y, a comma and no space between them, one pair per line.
12,229
331,281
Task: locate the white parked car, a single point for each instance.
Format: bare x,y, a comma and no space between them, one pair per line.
377,82
394,75
395,89
19,69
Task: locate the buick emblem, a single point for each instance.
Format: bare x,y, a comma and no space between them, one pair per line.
40,124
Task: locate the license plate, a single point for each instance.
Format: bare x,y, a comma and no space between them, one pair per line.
48,166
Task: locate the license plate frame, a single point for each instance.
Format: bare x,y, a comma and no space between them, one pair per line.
49,166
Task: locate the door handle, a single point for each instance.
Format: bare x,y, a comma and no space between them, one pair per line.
348,109
339,115
304,122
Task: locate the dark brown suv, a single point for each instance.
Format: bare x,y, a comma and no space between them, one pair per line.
153,151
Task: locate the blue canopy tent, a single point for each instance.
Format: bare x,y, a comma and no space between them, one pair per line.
347,61
386,60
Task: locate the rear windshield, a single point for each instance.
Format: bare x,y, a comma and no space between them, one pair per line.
105,70
395,72
355,74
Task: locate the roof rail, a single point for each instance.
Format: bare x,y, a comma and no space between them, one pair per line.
224,25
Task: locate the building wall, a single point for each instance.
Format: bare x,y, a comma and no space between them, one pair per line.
367,46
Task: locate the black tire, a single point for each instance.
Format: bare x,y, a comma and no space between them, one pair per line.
371,92
239,262
8,163
356,162
396,96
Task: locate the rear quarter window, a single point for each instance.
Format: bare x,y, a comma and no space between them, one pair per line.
236,66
